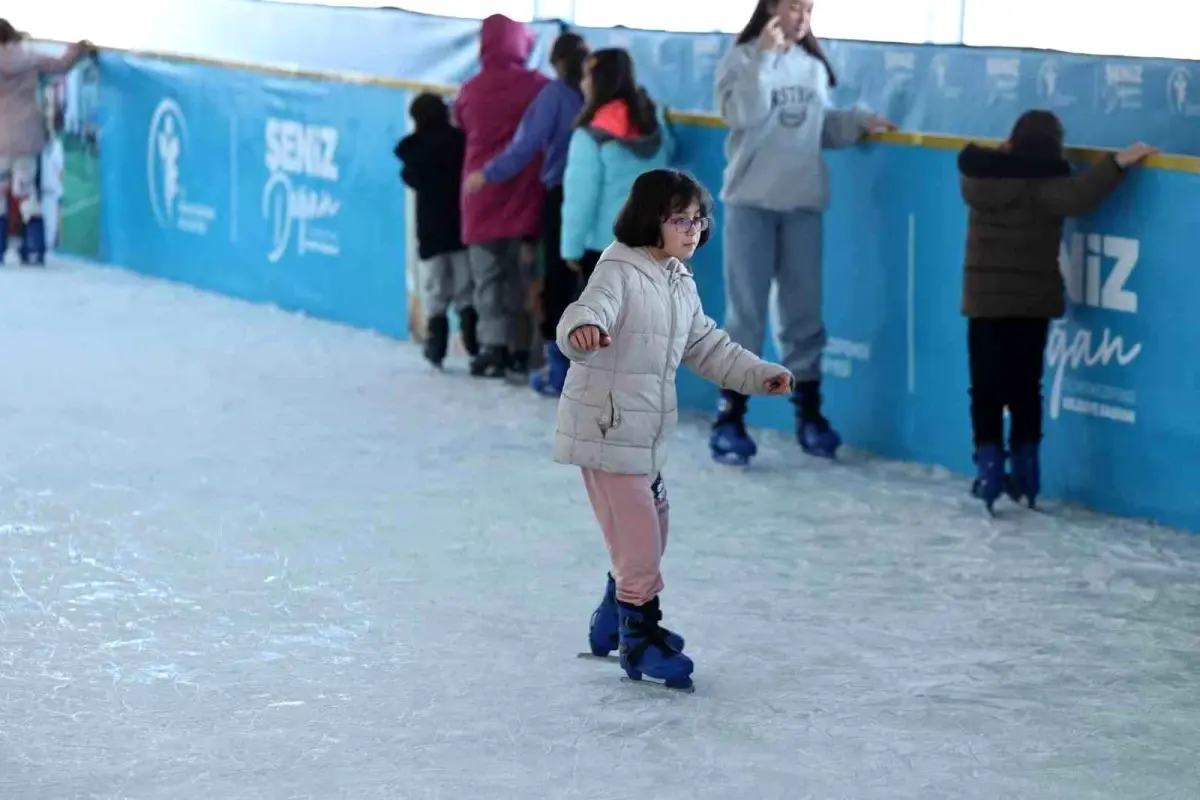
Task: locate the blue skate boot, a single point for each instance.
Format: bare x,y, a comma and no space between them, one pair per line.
1025,480
645,649
989,476
33,244
813,431
729,442
604,630
549,379
3,236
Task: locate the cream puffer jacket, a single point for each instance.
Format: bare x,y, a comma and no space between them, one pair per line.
619,404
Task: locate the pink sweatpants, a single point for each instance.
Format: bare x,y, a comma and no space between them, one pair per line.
632,512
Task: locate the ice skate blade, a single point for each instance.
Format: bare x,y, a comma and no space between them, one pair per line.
731,459
654,683
645,680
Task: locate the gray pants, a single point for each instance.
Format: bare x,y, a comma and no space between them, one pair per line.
761,246
501,280
445,282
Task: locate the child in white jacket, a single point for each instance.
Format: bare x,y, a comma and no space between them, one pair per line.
639,318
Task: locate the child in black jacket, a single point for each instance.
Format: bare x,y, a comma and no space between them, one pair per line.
1018,196
433,165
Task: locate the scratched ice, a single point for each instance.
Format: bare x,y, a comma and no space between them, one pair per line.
251,555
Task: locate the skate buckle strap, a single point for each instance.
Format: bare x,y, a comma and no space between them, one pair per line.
652,634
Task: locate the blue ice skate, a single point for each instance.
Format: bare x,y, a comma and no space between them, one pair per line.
818,438
1025,481
33,244
645,649
729,442
989,478
549,379
604,630
813,431
3,238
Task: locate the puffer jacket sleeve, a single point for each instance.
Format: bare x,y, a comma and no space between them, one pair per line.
599,305
582,181
712,355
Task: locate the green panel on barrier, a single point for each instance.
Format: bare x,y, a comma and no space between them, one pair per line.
70,169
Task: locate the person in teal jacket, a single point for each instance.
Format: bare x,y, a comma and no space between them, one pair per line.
619,134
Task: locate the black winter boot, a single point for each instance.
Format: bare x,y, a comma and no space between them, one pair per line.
491,363
468,320
437,340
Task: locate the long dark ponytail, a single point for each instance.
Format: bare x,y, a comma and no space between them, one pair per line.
758,21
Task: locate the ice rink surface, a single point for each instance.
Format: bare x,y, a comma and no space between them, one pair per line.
245,554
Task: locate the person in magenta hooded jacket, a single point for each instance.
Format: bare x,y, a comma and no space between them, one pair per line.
546,130
500,216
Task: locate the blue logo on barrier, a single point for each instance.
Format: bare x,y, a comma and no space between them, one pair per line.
1123,87
167,154
1096,269
1179,100
302,165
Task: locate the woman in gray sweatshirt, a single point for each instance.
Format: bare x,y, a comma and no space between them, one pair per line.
773,91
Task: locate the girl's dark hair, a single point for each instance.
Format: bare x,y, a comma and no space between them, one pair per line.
655,196
1037,134
613,79
8,34
429,110
570,50
758,21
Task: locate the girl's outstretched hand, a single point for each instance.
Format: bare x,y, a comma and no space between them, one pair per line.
779,384
1135,154
475,181
589,337
877,123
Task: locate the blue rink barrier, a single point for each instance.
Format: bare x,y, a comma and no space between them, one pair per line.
1123,368
271,189
283,189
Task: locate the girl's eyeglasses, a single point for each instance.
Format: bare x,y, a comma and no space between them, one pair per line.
685,225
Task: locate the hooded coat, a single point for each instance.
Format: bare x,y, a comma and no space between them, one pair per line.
489,107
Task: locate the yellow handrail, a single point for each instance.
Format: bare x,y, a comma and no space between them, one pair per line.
937,141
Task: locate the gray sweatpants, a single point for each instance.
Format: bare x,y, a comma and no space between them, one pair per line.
445,282
501,281
761,246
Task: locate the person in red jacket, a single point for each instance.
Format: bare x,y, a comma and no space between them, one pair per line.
498,217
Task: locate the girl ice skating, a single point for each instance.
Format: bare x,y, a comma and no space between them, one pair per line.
773,92
619,134
638,319
1018,195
